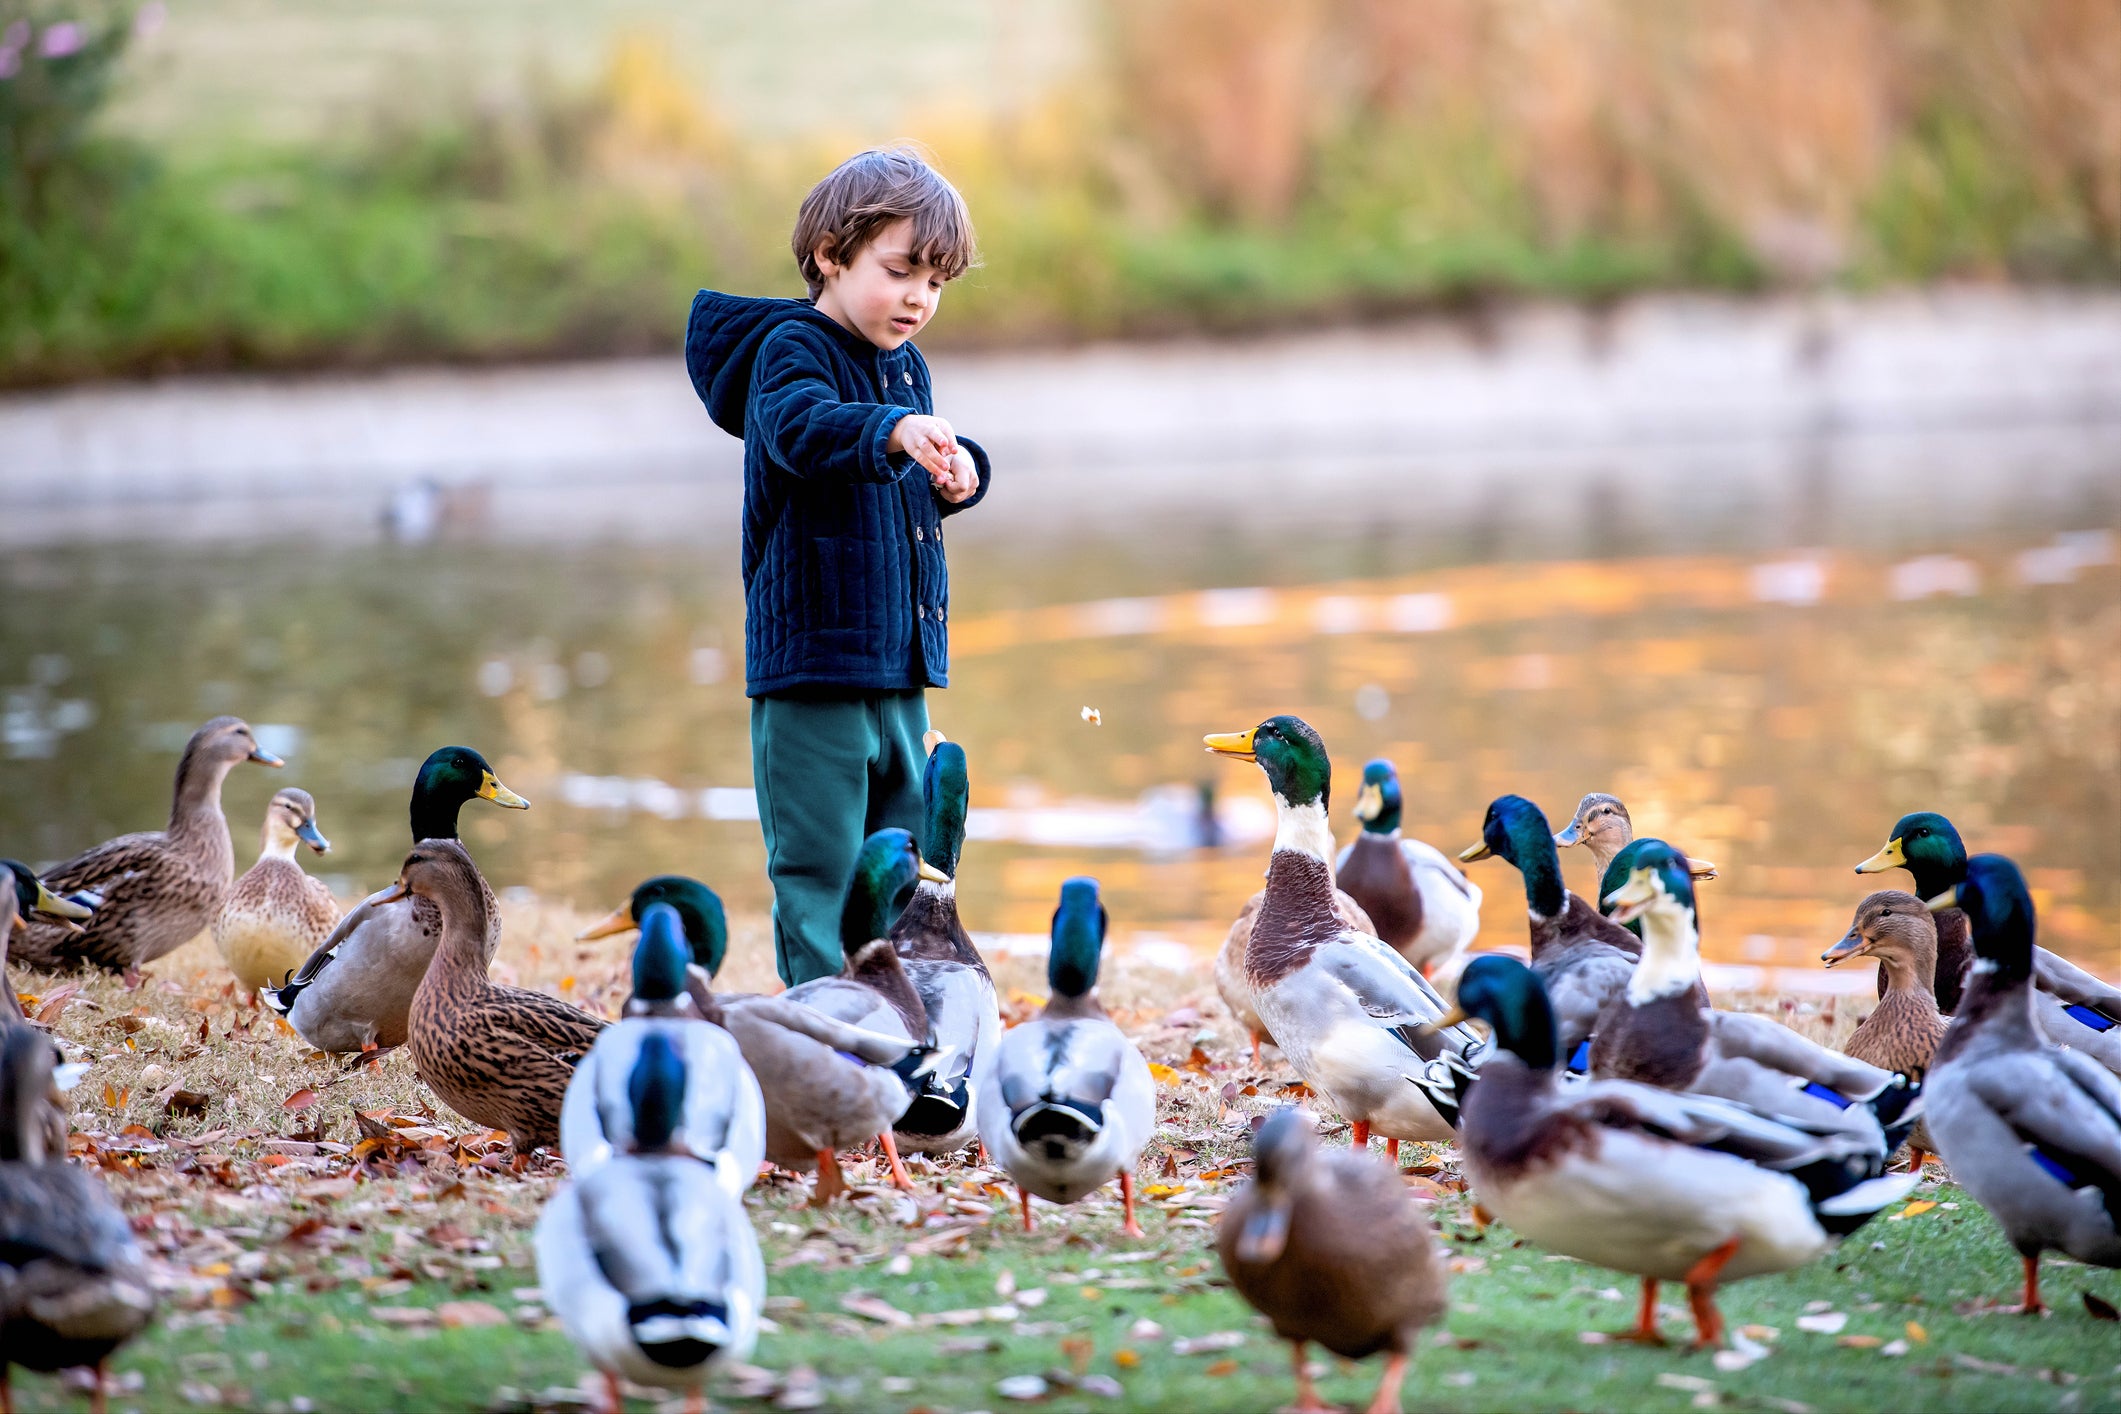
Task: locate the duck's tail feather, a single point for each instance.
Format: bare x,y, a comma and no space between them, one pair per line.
1857,1204
1059,1128
678,1335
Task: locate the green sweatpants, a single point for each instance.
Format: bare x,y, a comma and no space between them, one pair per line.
829,773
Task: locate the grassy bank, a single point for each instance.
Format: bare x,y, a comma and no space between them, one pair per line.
335,1240
1215,167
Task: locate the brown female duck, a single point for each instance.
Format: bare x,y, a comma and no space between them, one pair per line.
1327,1246
499,1056
276,915
1902,1033
159,889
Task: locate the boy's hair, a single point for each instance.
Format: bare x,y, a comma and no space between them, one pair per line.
868,192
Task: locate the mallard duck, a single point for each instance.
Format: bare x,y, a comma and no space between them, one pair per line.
1230,981
355,991
2073,1007
1903,1031
73,1283
1424,908
724,1120
157,890
1656,1032
276,915
946,970
1603,826
499,1056
1350,1014
1583,958
1327,1246
648,1260
817,1104
1667,1186
706,929
1067,1102
21,894
2032,1130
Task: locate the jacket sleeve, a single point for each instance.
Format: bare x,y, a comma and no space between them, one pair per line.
808,430
986,479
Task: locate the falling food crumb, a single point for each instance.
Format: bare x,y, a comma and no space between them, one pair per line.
1094,717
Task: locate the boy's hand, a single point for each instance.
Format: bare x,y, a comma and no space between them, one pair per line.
962,481
928,440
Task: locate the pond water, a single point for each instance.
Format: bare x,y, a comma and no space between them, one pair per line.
1771,710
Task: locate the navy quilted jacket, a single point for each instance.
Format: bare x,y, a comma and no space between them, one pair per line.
844,580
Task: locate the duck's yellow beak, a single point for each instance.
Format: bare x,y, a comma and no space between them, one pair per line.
490,788
1238,744
932,874
1454,1017
66,908
1369,801
1701,868
1632,899
1854,945
1474,851
619,920
1891,857
1948,899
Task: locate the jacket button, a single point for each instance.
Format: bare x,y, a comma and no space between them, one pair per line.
908,376
917,533
921,612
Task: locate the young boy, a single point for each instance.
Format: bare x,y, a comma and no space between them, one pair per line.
847,477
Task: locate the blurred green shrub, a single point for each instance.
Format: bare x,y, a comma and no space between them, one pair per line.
57,61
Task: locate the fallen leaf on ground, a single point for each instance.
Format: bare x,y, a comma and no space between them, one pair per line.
1203,1344
1221,1368
456,1314
1825,1323
301,1100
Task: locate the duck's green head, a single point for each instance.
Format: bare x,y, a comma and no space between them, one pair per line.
1517,830
885,875
706,926
656,1089
448,779
1289,751
946,794
1926,845
1657,878
1507,995
1378,803
32,897
659,958
1078,939
1999,912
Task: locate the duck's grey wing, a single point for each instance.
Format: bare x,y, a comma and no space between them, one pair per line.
1580,982
325,951
1705,1122
956,998
1770,1043
875,1047
849,1002
655,1227
1386,984
1084,1062
2063,978
2070,1106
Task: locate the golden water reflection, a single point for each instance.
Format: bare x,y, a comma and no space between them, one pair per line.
1772,713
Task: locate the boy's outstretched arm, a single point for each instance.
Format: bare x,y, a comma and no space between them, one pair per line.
806,427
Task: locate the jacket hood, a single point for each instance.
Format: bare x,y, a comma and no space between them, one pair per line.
722,339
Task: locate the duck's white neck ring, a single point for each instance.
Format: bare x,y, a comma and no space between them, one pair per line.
946,889
1671,954
1303,829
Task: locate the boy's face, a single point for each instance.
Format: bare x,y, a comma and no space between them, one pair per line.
881,294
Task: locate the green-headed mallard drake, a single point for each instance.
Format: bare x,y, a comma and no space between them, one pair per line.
1352,1016
2031,1129
724,1119
2075,1008
155,891
21,894
1424,908
73,1283
499,1056
1583,958
355,991
1666,1186
1230,981
1328,1247
817,1104
648,1261
276,915
956,991
1657,1032
1067,1102
705,924
1903,1031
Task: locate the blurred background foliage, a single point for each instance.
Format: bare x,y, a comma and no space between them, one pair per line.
1196,165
